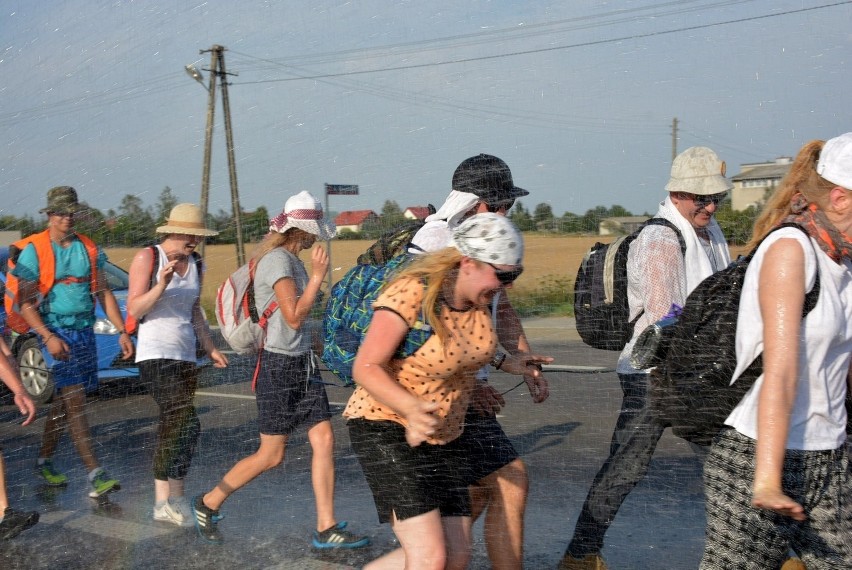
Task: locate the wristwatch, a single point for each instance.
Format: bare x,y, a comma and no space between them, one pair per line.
498,360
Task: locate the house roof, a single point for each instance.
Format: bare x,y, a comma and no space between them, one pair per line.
419,212
353,217
769,170
626,219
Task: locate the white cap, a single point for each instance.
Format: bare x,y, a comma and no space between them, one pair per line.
835,161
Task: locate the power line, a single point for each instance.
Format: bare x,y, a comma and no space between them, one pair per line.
551,48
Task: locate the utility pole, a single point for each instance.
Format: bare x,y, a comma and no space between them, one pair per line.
674,138
217,68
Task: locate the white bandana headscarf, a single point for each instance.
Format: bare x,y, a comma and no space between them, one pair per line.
491,238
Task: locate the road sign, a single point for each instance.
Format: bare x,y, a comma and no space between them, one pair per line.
341,189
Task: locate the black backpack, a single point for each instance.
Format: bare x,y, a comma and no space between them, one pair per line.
691,387
601,310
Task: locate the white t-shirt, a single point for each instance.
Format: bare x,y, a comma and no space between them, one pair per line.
818,420
166,332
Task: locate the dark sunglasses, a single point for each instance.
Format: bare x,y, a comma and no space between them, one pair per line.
702,201
507,276
61,214
502,205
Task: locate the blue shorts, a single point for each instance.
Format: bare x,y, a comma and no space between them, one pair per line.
289,393
82,364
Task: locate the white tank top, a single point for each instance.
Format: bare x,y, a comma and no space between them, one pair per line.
166,332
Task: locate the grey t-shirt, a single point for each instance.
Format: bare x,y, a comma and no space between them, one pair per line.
275,265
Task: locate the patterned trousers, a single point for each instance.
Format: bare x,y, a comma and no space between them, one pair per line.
740,536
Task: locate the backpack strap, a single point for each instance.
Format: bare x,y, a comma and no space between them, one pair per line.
664,222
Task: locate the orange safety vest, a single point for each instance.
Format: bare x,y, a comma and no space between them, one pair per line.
46,273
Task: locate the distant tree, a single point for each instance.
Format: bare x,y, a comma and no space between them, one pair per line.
543,217
570,223
255,225
134,225
522,218
617,211
164,206
392,215
736,225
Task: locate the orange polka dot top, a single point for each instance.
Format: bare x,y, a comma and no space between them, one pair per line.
436,373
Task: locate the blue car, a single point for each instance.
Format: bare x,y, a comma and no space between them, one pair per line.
35,364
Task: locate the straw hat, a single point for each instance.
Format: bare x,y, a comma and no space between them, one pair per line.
304,212
186,219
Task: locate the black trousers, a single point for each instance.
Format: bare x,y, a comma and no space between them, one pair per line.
172,384
634,440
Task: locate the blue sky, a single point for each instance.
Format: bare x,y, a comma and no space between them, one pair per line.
577,97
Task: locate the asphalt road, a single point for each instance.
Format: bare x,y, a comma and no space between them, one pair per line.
268,523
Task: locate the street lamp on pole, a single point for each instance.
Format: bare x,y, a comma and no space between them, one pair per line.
217,67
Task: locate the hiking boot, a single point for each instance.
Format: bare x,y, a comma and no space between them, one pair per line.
103,484
588,562
794,564
338,537
50,475
175,513
15,522
206,520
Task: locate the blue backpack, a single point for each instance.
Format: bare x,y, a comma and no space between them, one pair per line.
349,311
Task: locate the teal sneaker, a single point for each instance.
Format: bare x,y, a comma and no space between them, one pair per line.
338,537
50,475
102,484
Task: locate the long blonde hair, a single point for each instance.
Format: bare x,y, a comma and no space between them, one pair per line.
802,179
274,240
433,269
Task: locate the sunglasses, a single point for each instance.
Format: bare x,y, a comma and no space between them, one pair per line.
61,214
502,205
507,276
703,201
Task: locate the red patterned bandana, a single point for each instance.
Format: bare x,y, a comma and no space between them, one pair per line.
836,244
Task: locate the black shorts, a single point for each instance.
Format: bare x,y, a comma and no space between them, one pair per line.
289,394
483,447
408,481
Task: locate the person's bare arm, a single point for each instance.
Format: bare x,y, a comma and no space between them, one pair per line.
370,370
9,376
295,308
781,297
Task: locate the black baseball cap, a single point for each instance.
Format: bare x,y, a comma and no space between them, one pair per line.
488,177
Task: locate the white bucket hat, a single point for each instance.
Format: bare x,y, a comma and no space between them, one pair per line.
835,161
304,212
491,238
698,170
186,219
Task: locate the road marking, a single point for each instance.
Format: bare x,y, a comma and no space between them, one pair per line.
115,528
574,368
225,395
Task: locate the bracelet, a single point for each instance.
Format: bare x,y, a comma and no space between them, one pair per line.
498,360
50,336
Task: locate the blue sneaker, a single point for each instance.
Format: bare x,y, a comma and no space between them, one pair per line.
206,520
338,537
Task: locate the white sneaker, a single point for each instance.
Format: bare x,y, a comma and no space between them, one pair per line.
170,514
181,506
